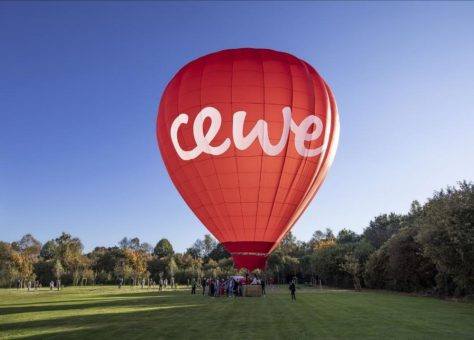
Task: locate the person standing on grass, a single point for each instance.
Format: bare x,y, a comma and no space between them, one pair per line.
212,289
235,291
217,288
293,290
262,282
193,287
203,283
227,287
58,284
222,287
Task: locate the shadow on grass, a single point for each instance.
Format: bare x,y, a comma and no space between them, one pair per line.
144,294
160,322
146,299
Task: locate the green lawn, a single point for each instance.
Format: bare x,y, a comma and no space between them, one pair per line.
134,313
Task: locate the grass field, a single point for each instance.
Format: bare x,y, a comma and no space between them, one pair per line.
135,313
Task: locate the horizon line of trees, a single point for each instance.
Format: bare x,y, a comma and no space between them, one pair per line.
430,249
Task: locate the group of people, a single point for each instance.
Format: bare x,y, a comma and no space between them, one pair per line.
230,287
37,285
58,284
160,284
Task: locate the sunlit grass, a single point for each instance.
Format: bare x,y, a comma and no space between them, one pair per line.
130,313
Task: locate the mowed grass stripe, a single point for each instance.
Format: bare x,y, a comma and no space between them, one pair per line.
102,312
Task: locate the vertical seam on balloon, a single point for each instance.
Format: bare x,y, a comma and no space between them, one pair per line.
329,127
261,156
332,147
301,168
211,200
323,168
202,182
301,158
311,193
322,159
215,169
235,151
285,153
192,163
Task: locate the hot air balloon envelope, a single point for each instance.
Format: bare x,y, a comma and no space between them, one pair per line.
248,136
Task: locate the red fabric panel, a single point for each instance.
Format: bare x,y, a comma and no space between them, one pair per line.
250,262
246,246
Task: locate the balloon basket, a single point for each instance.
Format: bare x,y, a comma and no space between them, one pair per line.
252,291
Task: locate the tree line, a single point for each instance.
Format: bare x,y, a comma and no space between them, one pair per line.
429,249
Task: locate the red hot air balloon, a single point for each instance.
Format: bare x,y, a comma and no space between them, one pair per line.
248,136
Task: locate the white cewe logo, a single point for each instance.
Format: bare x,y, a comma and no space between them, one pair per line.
260,131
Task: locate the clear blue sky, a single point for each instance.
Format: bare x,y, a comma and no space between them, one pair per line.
80,83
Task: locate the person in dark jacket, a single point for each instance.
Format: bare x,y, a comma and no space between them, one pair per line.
262,282
212,288
203,282
292,289
235,288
